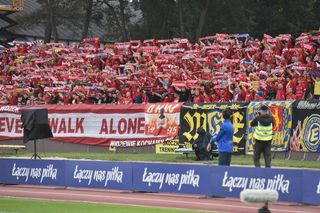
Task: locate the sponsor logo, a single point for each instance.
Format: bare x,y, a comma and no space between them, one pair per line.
98,176
41,174
311,136
13,109
190,177
308,105
278,183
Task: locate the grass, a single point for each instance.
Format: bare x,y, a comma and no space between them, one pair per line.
178,158
13,205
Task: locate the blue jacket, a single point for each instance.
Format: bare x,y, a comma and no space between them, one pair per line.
224,137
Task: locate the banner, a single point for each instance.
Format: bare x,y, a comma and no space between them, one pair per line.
230,181
99,174
209,116
306,126
35,172
316,87
162,119
168,147
103,125
282,114
176,178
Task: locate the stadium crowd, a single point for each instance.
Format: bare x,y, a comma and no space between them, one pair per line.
218,68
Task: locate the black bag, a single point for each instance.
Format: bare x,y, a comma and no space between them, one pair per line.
35,124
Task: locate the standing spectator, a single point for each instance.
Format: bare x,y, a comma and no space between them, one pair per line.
127,99
214,97
206,97
262,135
290,95
184,94
280,93
137,96
197,97
300,90
224,139
237,94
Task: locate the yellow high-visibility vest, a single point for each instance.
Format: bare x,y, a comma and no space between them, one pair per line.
263,133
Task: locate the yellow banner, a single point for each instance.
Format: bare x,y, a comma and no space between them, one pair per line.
112,149
168,147
317,87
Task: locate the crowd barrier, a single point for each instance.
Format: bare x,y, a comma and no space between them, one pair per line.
293,185
297,123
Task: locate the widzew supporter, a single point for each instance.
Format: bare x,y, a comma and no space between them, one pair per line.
127,99
300,90
280,93
227,68
197,98
290,95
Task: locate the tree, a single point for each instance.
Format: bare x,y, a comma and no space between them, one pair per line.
116,17
88,14
181,25
48,29
51,14
122,5
174,18
202,19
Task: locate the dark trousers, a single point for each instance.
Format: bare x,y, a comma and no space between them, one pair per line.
202,154
265,148
224,158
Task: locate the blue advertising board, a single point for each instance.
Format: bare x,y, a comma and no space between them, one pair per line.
36,172
99,174
176,178
311,187
2,164
293,185
230,181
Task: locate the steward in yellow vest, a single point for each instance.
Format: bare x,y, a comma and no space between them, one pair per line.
263,131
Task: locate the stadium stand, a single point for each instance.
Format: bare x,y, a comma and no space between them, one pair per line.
219,68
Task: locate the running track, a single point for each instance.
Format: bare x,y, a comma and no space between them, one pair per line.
145,199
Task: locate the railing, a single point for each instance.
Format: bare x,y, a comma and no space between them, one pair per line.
16,5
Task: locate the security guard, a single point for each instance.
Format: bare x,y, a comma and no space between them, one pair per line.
262,135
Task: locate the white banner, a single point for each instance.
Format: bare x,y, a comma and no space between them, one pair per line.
88,125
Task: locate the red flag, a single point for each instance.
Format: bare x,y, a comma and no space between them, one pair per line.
277,113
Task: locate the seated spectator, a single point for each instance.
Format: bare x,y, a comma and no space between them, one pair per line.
200,145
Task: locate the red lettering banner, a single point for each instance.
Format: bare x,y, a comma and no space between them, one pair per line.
103,125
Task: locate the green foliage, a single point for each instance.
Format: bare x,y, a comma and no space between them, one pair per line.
181,18
230,16
66,12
